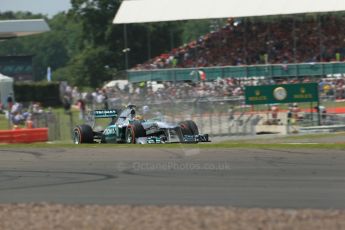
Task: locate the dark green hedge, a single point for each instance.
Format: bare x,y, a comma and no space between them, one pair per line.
47,93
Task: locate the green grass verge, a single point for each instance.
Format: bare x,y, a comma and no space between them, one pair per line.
314,136
3,122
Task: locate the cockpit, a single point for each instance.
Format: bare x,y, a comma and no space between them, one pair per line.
128,113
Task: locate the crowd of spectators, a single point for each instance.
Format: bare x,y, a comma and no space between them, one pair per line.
20,115
177,90
250,42
110,97
73,97
334,87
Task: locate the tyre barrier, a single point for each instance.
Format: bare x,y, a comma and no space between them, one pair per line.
24,135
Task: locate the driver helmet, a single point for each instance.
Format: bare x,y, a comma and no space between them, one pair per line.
132,113
138,117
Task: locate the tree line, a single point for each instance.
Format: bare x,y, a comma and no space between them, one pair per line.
86,49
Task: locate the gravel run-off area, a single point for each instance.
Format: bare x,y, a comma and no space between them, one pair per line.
57,216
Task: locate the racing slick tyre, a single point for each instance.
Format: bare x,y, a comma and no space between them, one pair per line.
193,127
189,128
134,131
185,128
82,134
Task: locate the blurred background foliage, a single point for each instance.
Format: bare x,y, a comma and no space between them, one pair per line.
86,49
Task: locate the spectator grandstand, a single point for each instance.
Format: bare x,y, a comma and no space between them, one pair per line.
259,41
246,41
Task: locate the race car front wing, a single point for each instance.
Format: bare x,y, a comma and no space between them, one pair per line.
185,139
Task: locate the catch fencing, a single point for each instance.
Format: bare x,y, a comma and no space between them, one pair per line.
225,116
214,116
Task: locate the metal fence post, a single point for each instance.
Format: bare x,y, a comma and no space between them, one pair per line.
220,123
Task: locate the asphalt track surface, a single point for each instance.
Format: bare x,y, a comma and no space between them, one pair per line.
265,178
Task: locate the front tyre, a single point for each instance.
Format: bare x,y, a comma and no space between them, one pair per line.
193,127
134,131
82,134
188,127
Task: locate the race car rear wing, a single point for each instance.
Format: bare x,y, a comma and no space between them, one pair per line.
105,113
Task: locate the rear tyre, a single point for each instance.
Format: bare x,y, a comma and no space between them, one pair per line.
134,131
82,134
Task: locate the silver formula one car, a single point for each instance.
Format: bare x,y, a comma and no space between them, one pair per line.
130,128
